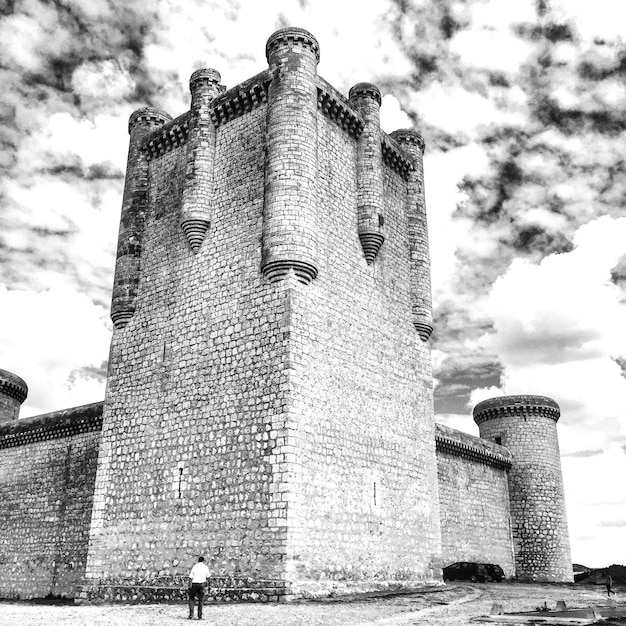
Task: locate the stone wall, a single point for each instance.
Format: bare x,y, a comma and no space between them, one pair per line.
47,473
362,487
196,393
474,499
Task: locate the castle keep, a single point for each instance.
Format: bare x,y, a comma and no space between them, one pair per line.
269,393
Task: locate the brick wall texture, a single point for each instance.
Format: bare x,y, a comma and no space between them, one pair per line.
269,395
474,501
47,472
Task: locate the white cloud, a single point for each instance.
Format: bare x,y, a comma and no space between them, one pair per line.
497,14
103,139
484,393
600,18
102,80
443,172
558,327
495,50
464,423
45,350
392,117
458,110
596,506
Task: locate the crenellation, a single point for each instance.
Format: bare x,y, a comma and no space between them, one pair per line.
395,158
463,445
241,99
335,106
13,392
170,135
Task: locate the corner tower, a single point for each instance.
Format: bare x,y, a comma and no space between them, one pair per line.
526,425
13,391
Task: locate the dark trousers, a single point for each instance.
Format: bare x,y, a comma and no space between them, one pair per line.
196,591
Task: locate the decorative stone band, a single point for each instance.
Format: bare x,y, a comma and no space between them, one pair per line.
467,446
121,317
174,589
371,244
79,419
336,108
423,326
276,270
13,386
241,99
195,230
395,158
171,135
290,36
516,405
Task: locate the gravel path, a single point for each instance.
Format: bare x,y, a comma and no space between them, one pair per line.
452,605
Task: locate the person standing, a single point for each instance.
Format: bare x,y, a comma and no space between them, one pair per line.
609,586
198,577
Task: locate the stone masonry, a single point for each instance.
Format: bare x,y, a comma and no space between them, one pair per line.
47,472
526,425
269,393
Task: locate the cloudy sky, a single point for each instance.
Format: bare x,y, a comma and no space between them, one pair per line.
523,107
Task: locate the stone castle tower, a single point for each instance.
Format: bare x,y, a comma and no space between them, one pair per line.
526,425
269,394
269,398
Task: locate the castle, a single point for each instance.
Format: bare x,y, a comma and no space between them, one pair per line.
269,401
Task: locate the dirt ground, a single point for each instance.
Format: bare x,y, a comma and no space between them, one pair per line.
454,604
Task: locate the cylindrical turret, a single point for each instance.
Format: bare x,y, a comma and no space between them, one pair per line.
421,297
290,216
526,425
134,205
196,216
366,99
13,391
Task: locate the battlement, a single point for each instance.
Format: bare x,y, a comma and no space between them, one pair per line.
13,386
516,405
467,446
55,425
13,391
295,101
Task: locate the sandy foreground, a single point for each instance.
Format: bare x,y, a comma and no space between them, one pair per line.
454,604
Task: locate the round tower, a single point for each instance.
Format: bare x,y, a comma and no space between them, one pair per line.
526,425
13,391
134,205
366,99
421,294
290,214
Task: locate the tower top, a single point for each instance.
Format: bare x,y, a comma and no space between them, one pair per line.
506,406
291,35
13,386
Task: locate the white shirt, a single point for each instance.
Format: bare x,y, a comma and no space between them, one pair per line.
199,573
